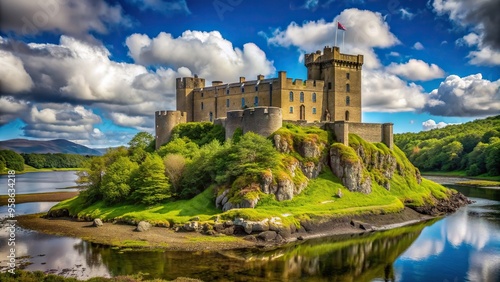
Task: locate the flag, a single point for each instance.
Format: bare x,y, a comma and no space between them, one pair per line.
340,26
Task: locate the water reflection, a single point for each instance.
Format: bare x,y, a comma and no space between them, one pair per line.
27,208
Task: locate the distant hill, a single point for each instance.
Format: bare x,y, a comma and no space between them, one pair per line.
51,146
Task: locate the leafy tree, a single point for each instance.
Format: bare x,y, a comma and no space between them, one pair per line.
492,159
116,181
200,133
182,146
149,182
12,160
174,167
141,140
2,164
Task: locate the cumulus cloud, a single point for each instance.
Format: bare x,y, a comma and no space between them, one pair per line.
60,121
484,18
384,92
81,77
465,96
431,124
207,54
416,70
75,18
484,55
163,6
418,46
13,76
365,30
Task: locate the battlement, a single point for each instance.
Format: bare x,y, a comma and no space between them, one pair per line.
261,120
189,82
332,54
170,113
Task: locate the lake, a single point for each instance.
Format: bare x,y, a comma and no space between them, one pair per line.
41,182
464,246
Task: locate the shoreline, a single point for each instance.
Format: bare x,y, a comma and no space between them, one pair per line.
124,236
40,197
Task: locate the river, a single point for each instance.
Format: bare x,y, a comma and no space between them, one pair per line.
464,246
41,182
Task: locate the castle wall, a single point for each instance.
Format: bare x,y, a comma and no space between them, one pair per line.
234,120
165,121
371,132
262,120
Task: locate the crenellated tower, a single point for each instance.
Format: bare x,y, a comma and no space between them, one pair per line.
341,74
184,94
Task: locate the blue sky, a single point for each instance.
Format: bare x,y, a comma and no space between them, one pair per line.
94,72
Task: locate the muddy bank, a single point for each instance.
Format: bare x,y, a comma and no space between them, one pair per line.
123,235
39,197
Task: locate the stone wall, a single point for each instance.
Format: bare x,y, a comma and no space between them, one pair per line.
371,132
261,120
165,121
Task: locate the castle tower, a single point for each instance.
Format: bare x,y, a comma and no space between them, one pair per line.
342,76
165,121
184,94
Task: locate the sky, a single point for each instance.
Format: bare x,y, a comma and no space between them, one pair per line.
94,72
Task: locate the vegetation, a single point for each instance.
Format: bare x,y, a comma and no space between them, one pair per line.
11,160
54,160
473,147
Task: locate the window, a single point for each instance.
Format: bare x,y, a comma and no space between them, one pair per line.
329,85
202,105
314,97
256,88
256,101
347,88
347,115
302,97
201,94
314,111
227,91
242,102
347,101
211,116
347,75
291,110
227,103
291,96
242,89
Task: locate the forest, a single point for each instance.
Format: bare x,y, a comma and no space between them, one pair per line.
472,147
12,160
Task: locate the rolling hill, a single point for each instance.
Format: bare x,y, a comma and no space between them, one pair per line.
50,146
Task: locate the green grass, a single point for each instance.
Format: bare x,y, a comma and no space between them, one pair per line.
130,244
480,183
461,173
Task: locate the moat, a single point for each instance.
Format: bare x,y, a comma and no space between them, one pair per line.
464,246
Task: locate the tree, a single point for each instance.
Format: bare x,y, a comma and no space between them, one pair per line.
12,160
174,167
149,182
182,146
141,140
116,180
2,164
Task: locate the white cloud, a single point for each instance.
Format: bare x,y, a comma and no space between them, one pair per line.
484,18
465,96
75,18
418,46
13,76
406,14
11,108
431,124
163,6
207,54
394,54
384,92
416,70
365,30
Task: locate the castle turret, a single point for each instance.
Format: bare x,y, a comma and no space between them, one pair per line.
165,121
184,94
262,120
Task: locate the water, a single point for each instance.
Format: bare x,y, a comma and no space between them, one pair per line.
464,246
41,182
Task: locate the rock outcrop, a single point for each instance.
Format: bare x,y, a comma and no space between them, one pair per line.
349,169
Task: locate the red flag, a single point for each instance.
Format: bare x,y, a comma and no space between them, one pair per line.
340,26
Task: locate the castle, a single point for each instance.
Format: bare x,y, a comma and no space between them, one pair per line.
330,97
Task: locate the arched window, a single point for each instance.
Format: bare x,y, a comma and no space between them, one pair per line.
201,94
347,115
314,97
242,102
256,101
347,101
242,89
347,88
227,103
227,91
302,97
202,105
291,110
291,96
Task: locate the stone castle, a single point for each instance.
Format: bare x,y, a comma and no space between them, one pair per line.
330,97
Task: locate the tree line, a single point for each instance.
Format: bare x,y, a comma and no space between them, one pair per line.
473,147
12,160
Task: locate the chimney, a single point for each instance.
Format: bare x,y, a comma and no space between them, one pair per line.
260,77
216,82
242,79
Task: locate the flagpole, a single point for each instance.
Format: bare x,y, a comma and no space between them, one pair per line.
343,39
336,29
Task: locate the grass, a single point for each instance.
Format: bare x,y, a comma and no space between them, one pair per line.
214,239
461,173
130,244
480,183
39,197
